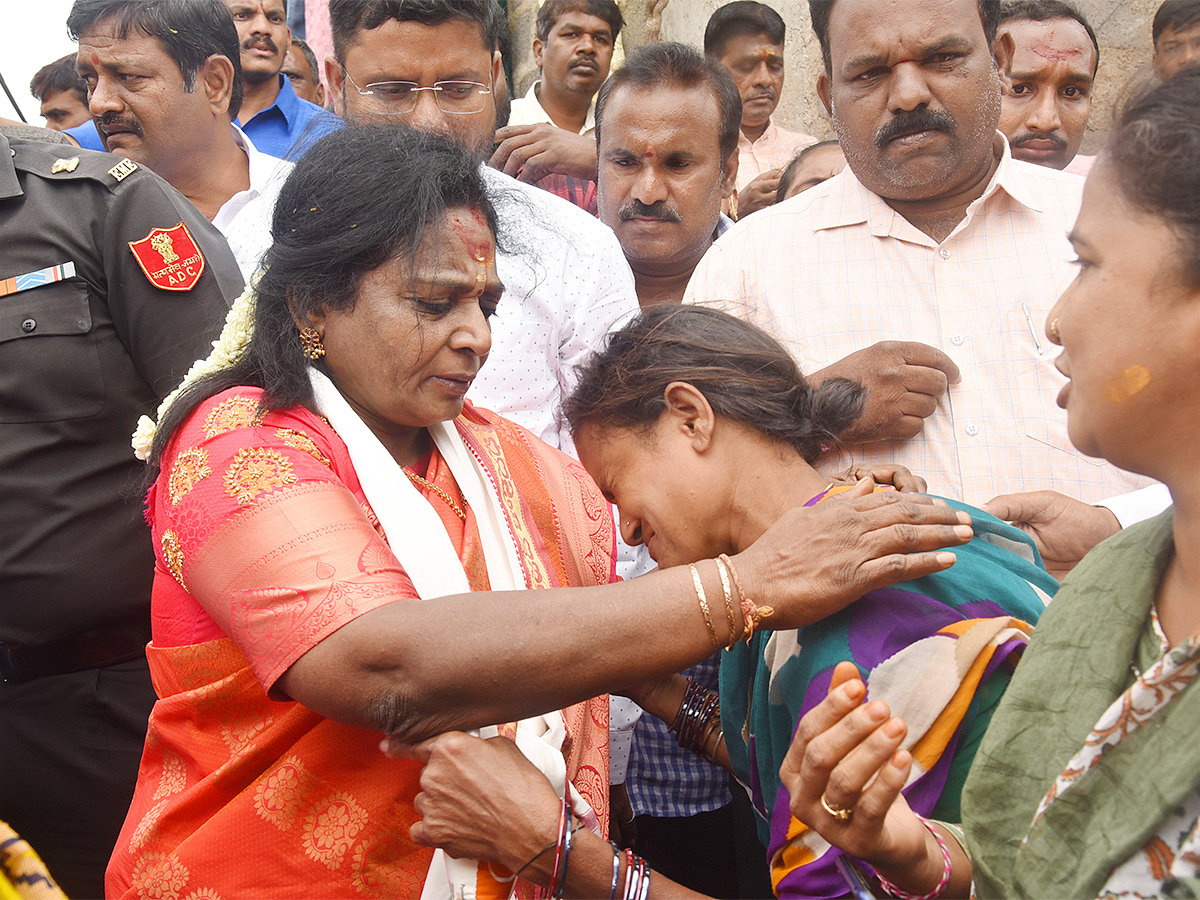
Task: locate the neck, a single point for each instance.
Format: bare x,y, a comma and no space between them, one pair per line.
215,170
661,284
1177,603
568,111
754,132
257,96
772,479
939,216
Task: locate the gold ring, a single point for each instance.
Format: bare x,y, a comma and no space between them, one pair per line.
842,815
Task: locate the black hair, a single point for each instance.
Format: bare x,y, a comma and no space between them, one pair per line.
1155,151
790,170
358,198
672,64
552,10
309,57
190,31
819,10
738,18
60,75
1178,15
746,375
348,17
1044,11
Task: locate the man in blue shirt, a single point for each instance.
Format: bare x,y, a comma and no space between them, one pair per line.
273,117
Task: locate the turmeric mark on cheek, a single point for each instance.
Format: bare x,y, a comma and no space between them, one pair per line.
1125,384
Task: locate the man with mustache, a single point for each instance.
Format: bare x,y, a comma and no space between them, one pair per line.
747,38
164,85
547,138
933,243
280,123
666,130
1047,96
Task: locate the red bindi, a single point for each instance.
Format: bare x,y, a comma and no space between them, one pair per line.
467,228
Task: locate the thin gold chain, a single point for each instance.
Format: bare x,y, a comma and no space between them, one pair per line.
423,482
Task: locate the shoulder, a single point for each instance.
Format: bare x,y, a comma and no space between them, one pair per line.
62,162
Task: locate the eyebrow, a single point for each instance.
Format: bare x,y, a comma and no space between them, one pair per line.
871,60
1073,78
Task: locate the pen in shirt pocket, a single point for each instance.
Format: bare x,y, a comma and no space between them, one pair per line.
1032,328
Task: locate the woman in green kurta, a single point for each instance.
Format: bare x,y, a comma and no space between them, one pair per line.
1088,781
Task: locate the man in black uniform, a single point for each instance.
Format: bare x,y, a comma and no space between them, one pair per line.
111,285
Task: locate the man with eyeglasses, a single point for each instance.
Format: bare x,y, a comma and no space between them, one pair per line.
436,65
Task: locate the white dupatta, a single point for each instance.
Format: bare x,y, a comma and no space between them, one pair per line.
419,541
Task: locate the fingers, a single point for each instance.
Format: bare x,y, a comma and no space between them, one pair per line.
843,673
924,381
1031,506
864,488
917,354
396,749
864,747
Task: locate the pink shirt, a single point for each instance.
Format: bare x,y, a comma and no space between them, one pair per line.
836,269
774,149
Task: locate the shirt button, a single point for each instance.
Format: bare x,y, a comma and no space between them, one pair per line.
28,325
972,429
944,253
957,340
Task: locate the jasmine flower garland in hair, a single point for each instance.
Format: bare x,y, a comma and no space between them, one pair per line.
227,351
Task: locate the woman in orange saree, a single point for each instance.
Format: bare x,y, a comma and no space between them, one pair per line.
346,547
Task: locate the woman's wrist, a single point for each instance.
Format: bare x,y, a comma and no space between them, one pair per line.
924,874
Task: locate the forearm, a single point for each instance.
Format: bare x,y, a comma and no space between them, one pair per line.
921,876
401,669
590,871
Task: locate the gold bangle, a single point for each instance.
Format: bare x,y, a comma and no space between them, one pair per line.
712,632
729,604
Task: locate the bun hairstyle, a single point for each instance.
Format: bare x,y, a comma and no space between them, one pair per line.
746,375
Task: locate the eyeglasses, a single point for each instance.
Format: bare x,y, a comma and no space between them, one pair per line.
398,98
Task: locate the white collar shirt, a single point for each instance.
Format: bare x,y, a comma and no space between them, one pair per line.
835,270
528,110
245,218
566,285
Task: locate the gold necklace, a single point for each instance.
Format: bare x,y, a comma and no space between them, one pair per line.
423,482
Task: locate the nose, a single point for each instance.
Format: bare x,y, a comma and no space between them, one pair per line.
259,24
910,90
761,76
631,529
586,44
1043,114
102,98
648,185
473,334
426,116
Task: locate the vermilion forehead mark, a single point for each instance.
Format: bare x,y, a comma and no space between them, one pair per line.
1045,51
96,59
649,154
467,226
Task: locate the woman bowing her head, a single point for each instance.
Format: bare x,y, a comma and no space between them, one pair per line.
346,547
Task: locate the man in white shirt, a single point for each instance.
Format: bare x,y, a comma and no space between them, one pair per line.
933,241
566,282
164,85
747,38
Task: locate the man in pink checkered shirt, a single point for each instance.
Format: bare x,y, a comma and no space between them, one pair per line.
925,269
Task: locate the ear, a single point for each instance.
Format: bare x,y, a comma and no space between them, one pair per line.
313,319
498,76
1003,50
538,46
729,178
823,87
690,414
215,76
337,87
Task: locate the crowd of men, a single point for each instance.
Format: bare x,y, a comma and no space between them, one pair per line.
916,253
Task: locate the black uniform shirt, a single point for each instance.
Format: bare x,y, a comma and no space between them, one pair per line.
93,333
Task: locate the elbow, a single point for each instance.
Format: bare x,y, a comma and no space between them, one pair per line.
403,715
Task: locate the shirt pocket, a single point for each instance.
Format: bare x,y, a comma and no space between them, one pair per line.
1034,381
49,361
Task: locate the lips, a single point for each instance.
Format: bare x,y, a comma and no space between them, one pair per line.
455,384
587,65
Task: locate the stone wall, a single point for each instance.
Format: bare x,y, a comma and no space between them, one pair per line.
1122,26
